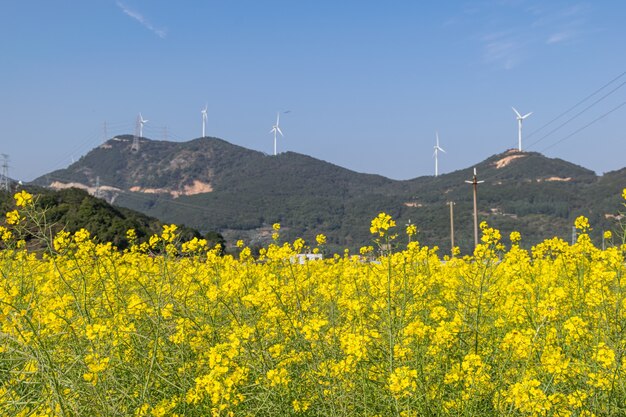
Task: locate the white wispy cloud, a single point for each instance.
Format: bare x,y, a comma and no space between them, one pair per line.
503,49
161,33
538,24
562,25
559,37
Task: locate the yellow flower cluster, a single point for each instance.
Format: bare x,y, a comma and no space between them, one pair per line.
86,329
582,223
381,224
23,199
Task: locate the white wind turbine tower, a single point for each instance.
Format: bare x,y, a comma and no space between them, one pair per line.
520,118
204,119
436,154
141,123
276,129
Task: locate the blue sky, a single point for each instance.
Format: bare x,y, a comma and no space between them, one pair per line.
367,82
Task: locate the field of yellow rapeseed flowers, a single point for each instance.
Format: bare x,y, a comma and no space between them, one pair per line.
170,329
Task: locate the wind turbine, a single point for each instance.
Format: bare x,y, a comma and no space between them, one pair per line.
204,119
276,129
436,154
520,118
141,123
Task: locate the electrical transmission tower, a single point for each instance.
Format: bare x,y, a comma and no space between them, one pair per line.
135,145
97,193
5,173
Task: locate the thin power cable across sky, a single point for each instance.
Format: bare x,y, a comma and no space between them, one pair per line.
577,114
575,105
597,119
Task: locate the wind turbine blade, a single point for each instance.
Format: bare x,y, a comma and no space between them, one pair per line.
441,149
279,131
526,115
516,112
273,129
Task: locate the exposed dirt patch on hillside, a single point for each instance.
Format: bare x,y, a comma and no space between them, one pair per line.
561,179
507,160
138,189
197,187
58,185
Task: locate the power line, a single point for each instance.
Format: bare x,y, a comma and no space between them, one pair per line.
597,119
576,105
578,114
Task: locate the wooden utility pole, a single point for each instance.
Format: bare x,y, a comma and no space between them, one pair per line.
451,204
475,183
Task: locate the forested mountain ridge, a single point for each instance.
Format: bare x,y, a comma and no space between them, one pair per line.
210,184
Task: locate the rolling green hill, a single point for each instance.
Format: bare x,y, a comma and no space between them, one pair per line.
72,209
210,184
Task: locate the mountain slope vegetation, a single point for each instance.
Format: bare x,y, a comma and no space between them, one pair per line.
210,184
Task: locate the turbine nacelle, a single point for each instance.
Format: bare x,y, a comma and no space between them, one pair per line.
275,129
519,116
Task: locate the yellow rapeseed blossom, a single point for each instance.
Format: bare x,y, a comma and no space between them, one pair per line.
381,224
23,199
320,239
604,355
13,217
582,223
300,406
169,233
402,382
277,377
88,329
61,241
5,234
366,250
131,236
154,241
194,245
